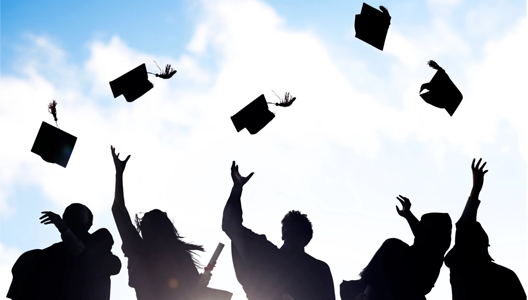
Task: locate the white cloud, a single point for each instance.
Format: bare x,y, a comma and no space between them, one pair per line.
182,140
8,256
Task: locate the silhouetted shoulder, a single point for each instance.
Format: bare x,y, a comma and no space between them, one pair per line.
508,282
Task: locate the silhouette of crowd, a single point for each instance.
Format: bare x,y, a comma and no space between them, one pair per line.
162,266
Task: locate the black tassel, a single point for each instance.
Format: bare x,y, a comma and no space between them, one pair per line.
169,71
284,102
52,109
384,10
434,65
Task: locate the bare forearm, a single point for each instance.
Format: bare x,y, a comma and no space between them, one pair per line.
413,222
233,209
119,198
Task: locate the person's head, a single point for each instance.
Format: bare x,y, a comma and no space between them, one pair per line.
78,218
102,240
159,233
155,226
296,229
435,232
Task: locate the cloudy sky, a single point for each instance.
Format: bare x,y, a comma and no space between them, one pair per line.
358,135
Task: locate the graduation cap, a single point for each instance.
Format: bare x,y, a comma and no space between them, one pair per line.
256,114
372,25
53,144
132,85
441,91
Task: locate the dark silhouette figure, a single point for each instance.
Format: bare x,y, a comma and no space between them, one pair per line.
441,91
372,25
77,268
267,272
132,85
53,144
473,274
399,271
160,264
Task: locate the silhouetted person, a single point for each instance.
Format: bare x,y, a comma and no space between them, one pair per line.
399,271
65,270
161,265
267,272
473,274
104,265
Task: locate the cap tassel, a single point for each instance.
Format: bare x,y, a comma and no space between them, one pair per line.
434,65
52,109
169,71
284,102
384,10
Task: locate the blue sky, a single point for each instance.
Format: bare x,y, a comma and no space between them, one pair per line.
357,136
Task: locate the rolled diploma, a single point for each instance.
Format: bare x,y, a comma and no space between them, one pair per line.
216,254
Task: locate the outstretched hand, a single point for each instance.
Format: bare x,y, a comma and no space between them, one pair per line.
49,217
119,164
478,178
238,180
406,206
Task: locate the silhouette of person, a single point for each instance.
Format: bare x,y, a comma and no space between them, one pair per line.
399,271
160,264
265,271
65,270
473,274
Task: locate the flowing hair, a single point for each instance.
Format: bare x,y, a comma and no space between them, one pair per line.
166,228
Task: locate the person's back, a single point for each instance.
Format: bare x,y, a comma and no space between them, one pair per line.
263,270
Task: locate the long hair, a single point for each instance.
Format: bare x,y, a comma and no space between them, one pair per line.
169,235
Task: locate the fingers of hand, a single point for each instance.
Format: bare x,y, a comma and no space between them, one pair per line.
473,164
482,168
249,176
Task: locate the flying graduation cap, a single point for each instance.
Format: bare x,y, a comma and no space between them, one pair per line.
135,83
53,144
441,91
256,114
372,25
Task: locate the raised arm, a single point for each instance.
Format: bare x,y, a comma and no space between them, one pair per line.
74,245
232,217
126,229
406,213
470,211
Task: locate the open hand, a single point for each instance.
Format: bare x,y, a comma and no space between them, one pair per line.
406,206
478,177
238,180
49,217
119,164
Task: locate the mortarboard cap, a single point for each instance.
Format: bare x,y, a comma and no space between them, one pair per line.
442,92
132,85
53,144
254,116
372,25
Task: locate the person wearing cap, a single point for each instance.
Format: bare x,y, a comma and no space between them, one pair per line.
268,272
399,271
71,269
161,265
473,274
